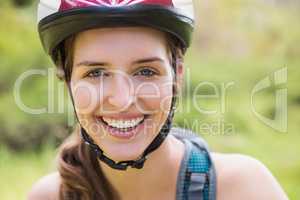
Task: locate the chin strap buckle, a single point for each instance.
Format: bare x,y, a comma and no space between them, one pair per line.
138,164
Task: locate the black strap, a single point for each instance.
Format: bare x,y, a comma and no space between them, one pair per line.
123,165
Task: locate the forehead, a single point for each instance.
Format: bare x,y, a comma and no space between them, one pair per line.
121,40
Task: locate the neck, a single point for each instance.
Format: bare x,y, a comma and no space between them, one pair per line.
158,174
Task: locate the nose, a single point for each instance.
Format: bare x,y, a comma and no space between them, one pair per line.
121,94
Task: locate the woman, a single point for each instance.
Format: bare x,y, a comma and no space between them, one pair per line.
122,62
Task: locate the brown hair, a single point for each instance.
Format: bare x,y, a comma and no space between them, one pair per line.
80,172
81,175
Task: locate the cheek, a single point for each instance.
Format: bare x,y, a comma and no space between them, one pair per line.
155,96
166,97
85,98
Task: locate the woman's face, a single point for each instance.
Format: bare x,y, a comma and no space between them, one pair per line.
122,87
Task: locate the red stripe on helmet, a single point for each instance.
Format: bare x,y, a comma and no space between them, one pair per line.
71,4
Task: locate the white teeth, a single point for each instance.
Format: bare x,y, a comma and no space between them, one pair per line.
123,123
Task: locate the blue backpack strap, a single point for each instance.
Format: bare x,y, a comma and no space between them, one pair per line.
200,175
196,185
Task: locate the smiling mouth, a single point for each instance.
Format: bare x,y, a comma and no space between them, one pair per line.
125,127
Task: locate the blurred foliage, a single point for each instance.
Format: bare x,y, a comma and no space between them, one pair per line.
22,3
235,41
19,171
20,50
17,3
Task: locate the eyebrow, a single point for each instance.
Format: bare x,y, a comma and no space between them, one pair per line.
91,63
146,60
140,61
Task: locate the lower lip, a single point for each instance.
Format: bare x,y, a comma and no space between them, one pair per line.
123,134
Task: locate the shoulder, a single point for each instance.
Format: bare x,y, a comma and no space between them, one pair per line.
240,176
46,188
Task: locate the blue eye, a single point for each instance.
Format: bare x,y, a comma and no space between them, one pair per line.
96,73
146,72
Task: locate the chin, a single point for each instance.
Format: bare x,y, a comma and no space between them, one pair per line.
123,152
